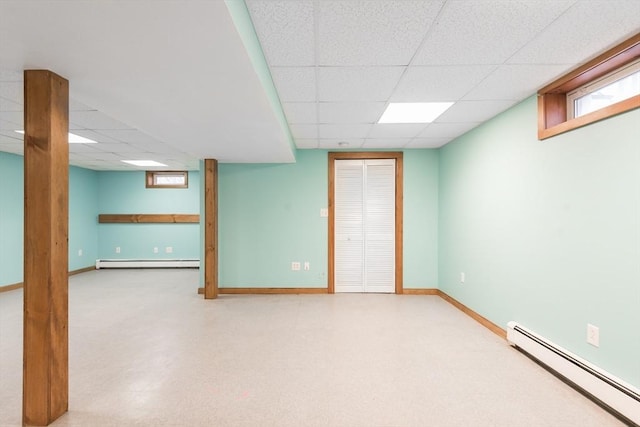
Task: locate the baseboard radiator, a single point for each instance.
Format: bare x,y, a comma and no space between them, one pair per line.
147,263
613,392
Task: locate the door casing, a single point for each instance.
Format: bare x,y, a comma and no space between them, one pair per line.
333,156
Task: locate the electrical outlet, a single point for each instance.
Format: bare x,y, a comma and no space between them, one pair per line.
462,277
79,252
295,266
307,266
324,212
168,250
593,335
155,250
117,249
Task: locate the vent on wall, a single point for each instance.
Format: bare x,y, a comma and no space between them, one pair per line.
147,263
613,392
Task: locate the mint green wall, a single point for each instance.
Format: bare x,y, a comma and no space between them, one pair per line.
125,193
83,214
270,216
420,248
83,229
11,218
548,232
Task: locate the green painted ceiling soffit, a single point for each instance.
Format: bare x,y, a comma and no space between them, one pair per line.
242,20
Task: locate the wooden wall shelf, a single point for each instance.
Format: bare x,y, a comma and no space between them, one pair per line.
148,218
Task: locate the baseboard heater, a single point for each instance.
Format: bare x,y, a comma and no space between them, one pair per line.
611,391
147,263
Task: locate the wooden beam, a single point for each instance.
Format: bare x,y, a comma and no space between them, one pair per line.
46,200
210,229
148,218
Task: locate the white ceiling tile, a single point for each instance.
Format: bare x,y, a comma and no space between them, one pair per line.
343,131
85,149
7,105
12,91
357,84
515,82
106,156
78,106
399,130
428,142
350,112
473,111
306,143
301,112
130,136
12,136
338,144
295,84
385,142
11,148
585,30
115,148
11,120
439,83
486,32
372,32
446,130
285,30
7,75
95,120
8,139
304,131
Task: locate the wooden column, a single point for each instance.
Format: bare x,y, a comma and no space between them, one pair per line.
210,229
46,199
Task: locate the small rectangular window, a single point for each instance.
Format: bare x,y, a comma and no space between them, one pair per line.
608,90
167,179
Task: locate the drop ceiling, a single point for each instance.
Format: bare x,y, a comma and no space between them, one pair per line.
172,81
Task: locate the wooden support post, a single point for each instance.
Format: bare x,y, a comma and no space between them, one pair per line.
211,229
46,199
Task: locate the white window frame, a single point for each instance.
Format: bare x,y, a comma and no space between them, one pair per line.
594,86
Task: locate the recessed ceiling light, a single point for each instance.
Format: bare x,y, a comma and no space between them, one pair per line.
73,138
145,163
413,112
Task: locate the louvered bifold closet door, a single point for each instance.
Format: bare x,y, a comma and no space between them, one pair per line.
349,230
364,226
379,225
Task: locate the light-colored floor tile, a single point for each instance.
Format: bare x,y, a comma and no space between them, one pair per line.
146,350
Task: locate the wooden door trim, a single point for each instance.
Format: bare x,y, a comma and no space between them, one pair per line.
398,156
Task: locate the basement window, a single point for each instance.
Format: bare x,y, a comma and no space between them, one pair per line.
167,179
613,88
603,87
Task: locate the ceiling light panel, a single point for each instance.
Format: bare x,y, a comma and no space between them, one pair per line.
440,83
285,30
144,163
486,32
372,33
413,112
583,31
295,84
514,82
350,112
357,84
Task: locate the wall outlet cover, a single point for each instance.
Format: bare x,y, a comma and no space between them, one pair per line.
593,335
